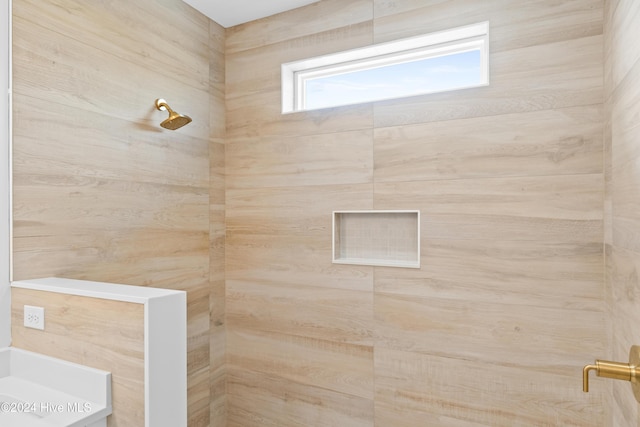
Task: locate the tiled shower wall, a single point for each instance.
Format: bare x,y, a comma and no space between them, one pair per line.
508,305
101,191
622,207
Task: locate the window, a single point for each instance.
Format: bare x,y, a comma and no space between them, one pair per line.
437,62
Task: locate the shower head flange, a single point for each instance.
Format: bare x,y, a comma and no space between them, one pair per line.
161,104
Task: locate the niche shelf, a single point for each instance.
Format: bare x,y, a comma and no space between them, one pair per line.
389,238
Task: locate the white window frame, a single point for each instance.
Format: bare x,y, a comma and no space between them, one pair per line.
442,43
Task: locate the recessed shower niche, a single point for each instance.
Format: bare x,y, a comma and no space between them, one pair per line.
388,238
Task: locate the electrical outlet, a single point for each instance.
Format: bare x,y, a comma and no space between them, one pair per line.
34,317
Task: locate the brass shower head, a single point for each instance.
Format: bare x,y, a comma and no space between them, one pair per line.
175,120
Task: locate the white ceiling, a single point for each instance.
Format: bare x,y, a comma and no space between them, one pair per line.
229,13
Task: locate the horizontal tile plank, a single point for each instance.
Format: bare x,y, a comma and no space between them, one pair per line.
324,313
549,142
257,399
416,389
340,367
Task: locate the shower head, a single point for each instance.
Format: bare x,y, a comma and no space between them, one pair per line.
175,120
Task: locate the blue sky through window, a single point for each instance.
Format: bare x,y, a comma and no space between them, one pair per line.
394,81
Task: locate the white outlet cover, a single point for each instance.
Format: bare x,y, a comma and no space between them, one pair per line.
34,317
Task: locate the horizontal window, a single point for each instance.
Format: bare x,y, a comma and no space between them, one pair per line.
447,60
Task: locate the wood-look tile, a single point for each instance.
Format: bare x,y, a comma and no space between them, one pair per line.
218,383
52,141
218,348
297,260
624,272
176,270
329,314
624,105
198,356
609,32
622,54
218,417
625,152
626,411
292,210
519,228
549,142
217,89
101,191
492,332
217,251
85,235
217,110
103,334
608,172
625,231
527,23
199,397
512,253
114,28
552,208
557,275
324,159
106,204
385,8
56,69
307,21
416,389
216,297
622,69
257,399
339,367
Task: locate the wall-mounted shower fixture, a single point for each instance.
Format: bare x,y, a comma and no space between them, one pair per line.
617,371
175,120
